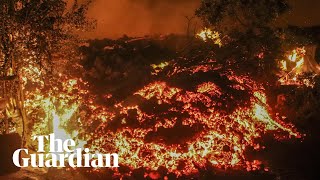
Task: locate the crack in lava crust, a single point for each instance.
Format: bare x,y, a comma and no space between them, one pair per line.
155,136
165,125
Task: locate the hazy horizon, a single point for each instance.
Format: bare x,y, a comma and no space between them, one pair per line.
149,17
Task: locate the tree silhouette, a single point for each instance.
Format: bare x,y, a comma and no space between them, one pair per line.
254,40
36,29
33,33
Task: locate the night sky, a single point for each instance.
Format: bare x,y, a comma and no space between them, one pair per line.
142,17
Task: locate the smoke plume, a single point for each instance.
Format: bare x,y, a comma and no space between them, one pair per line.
141,17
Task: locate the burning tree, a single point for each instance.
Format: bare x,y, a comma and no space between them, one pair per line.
32,34
254,41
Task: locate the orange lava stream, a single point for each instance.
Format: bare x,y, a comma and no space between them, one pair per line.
140,138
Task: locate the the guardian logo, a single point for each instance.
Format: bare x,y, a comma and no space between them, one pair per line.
62,153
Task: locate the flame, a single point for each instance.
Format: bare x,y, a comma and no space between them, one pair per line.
51,109
283,65
207,34
291,75
293,56
157,68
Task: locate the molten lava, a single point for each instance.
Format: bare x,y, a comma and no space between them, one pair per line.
160,125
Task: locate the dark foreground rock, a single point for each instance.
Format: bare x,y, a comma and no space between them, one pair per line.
9,143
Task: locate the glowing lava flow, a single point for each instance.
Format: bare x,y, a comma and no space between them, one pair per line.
221,140
179,129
